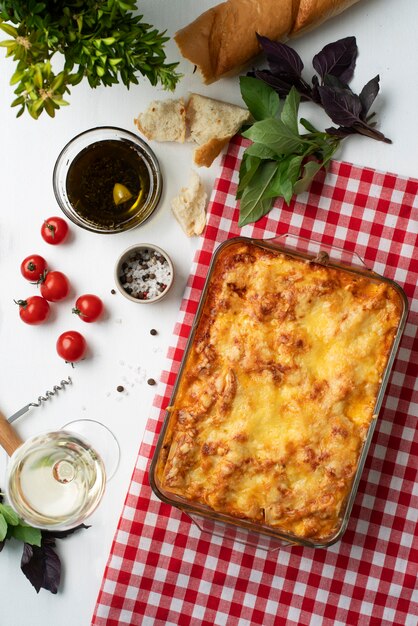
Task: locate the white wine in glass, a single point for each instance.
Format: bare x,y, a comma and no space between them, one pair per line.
56,480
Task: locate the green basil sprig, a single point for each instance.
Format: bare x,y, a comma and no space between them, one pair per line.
40,563
281,161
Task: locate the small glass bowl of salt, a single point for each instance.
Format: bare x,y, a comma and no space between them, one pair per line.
144,273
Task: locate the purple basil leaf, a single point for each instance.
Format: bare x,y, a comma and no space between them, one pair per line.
314,91
341,131
281,58
41,566
337,58
334,81
61,534
368,95
342,105
283,84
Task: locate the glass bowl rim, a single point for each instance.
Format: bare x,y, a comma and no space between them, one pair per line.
150,161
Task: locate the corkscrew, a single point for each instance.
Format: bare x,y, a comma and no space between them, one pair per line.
48,394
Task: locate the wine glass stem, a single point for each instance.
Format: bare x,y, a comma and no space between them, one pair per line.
63,471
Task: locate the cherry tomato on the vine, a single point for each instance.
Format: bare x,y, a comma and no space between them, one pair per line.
33,310
88,307
54,230
54,286
33,267
71,346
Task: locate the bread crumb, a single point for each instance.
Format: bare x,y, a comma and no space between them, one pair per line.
189,207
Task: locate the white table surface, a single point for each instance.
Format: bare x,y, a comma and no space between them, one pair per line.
122,351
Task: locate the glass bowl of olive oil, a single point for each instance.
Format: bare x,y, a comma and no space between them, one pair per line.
107,180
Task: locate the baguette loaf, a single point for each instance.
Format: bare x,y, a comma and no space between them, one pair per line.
223,39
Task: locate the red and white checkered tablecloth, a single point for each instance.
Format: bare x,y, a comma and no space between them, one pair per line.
163,570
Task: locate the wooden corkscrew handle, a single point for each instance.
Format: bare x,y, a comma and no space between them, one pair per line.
9,439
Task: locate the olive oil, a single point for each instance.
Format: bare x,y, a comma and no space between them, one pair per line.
108,182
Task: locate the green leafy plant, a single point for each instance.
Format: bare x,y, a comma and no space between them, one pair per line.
40,563
283,159
103,42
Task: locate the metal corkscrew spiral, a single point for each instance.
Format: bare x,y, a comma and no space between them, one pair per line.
43,398
49,393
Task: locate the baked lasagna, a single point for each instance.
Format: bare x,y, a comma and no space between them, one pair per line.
278,389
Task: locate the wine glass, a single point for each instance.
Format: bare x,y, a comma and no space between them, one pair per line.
55,480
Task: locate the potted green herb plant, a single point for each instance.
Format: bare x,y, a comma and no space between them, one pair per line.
102,41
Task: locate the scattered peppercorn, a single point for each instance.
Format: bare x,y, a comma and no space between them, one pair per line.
113,291
120,388
153,331
151,381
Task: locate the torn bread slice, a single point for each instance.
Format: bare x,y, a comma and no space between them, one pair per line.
189,207
211,124
164,120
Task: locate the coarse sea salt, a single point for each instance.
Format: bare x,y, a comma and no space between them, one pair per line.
146,274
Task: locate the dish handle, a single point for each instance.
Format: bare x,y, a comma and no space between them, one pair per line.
320,252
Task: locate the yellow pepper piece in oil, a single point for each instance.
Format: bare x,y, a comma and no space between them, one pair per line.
121,194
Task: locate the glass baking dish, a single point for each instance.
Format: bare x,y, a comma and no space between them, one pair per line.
244,530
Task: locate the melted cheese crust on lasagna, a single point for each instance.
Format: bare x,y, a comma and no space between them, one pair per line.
278,390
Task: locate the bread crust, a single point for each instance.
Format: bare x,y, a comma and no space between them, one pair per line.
223,39
311,13
205,155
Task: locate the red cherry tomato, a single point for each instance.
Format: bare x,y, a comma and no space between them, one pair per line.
33,310
54,230
71,346
33,267
54,286
88,307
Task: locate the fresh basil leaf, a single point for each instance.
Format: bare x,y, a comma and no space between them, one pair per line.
261,99
341,131
309,127
275,135
260,151
282,59
254,202
368,95
42,567
3,527
287,191
333,81
249,166
310,169
281,85
289,114
337,58
342,106
328,151
27,534
287,174
9,514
